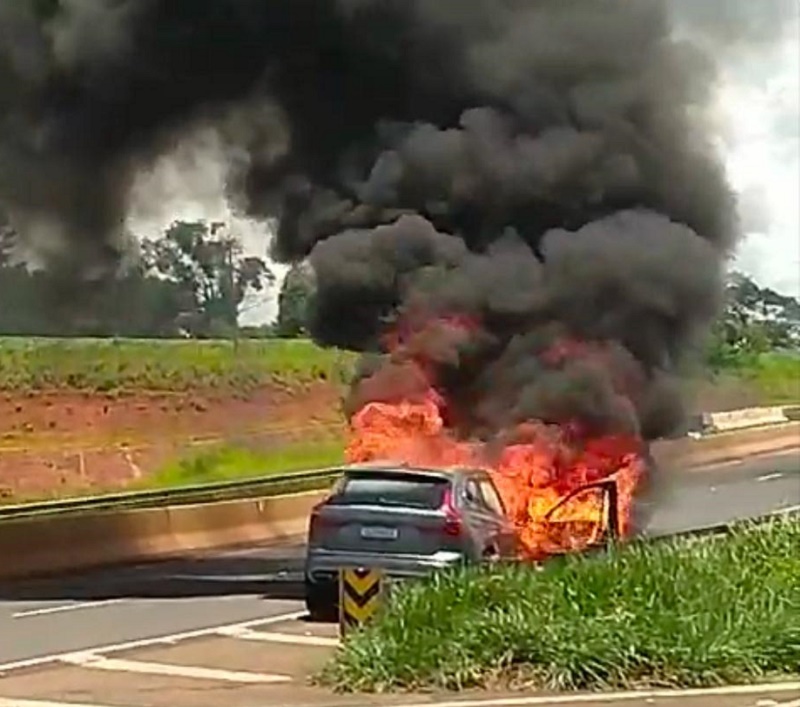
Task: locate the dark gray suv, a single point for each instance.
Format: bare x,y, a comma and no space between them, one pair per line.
406,521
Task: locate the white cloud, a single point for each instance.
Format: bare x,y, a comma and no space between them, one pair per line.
762,109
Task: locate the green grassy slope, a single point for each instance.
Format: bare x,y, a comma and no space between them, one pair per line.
103,365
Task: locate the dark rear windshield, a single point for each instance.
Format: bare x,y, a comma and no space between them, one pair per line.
402,491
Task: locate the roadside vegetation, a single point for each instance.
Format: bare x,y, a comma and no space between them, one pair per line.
124,365
774,377
640,615
179,294
231,463
109,365
755,343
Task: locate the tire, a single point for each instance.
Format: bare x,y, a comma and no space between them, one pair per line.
491,557
321,603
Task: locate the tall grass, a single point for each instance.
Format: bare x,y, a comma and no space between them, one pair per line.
681,613
776,376
99,365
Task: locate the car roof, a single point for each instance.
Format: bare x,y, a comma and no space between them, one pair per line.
393,467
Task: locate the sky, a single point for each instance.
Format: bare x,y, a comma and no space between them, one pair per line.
762,102
757,110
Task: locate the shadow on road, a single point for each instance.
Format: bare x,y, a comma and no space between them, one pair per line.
275,573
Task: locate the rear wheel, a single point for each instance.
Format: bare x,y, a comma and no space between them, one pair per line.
321,602
491,556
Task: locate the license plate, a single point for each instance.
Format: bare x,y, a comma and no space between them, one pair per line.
378,533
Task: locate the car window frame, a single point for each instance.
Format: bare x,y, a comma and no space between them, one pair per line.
478,504
501,507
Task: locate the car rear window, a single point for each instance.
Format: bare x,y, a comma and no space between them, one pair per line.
401,491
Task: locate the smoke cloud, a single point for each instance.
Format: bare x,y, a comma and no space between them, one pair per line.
545,170
734,26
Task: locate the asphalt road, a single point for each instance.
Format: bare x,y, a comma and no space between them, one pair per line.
130,604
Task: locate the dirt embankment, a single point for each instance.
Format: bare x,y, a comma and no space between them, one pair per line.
57,442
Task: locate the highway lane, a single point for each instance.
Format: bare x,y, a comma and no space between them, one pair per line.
727,492
134,603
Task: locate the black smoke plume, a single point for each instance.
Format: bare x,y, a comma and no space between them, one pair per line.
543,168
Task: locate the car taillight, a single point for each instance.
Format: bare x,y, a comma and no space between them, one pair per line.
452,518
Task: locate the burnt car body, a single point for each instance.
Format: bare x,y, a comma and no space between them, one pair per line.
406,521
410,521
609,525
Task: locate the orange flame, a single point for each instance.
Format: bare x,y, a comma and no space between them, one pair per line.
545,478
532,477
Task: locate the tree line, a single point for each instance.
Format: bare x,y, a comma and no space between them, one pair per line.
190,282
755,319
194,281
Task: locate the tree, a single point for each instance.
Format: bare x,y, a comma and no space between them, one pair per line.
756,320
192,279
132,301
207,265
294,301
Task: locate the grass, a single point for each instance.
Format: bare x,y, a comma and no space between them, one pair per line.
104,365
223,462
107,365
775,376
678,613
231,463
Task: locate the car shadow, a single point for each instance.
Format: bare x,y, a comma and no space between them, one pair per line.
272,573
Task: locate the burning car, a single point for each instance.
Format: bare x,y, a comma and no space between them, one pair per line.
407,521
411,521
562,492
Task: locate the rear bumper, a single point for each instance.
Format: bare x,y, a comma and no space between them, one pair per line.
322,566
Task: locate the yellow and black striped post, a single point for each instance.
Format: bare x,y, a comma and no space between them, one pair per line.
360,595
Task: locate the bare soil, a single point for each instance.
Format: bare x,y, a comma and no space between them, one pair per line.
60,442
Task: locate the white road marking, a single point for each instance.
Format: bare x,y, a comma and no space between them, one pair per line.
272,577
247,634
611,697
778,454
146,642
63,608
770,477
17,702
97,662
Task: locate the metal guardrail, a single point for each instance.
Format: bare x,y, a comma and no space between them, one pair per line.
724,528
240,489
